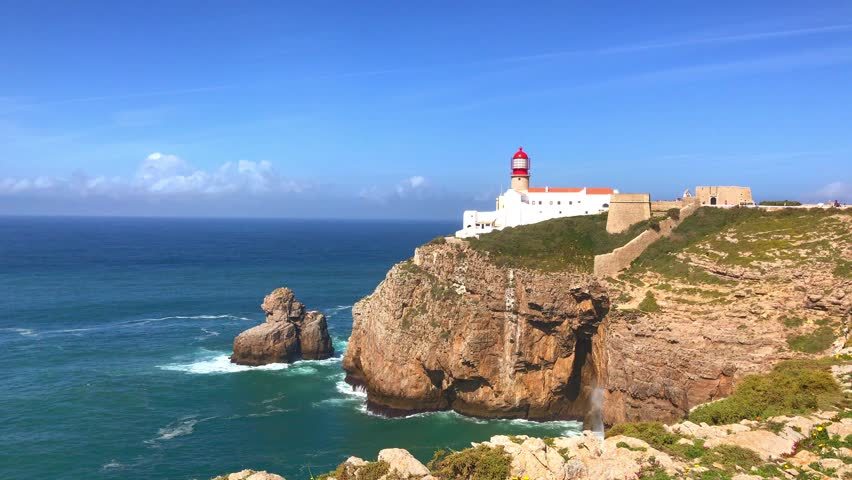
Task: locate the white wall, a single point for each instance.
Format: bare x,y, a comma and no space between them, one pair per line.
514,209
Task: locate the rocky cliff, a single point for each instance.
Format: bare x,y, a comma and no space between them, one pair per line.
289,333
451,330
730,294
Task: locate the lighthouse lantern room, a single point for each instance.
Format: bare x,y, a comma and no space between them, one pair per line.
520,171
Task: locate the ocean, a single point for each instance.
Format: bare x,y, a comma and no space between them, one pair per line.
115,335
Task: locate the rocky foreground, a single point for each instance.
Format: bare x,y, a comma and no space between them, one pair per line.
290,333
812,447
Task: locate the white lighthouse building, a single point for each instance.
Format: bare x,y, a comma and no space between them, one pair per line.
523,205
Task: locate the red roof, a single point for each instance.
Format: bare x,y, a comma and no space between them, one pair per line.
521,154
589,191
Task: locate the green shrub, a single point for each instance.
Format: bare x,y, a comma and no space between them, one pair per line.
727,460
673,213
792,322
370,471
817,341
654,472
781,203
649,303
437,241
843,269
478,463
653,433
792,387
654,224
628,447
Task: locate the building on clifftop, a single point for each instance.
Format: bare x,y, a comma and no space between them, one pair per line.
523,205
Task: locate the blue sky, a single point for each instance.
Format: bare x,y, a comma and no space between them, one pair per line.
412,109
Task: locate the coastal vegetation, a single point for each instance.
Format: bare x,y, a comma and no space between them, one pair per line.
720,462
561,244
649,303
369,471
476,463
792,387
814,342
747,237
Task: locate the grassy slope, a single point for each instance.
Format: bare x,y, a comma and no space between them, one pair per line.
561,244
751,236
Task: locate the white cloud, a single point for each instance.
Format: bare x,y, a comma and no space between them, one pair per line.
161,175
415,186
416,181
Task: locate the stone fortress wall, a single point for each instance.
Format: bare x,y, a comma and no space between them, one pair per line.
609,264
625,209
724,196
666,205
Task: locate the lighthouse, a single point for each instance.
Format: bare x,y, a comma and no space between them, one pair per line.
520,171
523,205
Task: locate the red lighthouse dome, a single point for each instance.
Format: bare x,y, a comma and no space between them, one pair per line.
520,163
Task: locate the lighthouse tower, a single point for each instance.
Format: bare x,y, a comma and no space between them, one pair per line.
520,171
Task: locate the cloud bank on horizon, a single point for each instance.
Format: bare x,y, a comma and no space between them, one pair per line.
167,180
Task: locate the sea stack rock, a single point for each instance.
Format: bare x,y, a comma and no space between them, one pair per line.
290,333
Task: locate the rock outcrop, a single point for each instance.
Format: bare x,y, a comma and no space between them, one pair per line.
451,330
290,333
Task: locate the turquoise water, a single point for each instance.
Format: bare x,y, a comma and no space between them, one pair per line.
114,337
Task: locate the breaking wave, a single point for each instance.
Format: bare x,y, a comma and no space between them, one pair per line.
24,332
330,312
216,362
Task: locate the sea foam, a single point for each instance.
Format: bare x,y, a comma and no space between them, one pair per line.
218,363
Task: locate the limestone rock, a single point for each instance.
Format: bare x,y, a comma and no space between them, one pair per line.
842,428
250,475
289,333
531,458
314,337
514,343
403,463
765,443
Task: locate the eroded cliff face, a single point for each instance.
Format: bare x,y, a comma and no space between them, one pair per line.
450,330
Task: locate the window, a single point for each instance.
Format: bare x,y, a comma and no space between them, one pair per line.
559,203
551,202
560,212
571,202
606,205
